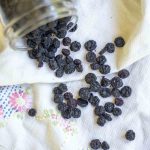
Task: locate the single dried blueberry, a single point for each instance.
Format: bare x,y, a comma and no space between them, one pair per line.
115,92
40,64
56,43
77,61
101,121
57,91
117,112
60,61
109,107
70,25
51,55
95,87
79,68
66,114
107,116
53,64
75,46
58,98
72,103
101,60
66,41
90,97
90,78
31,43
103,51
104,69
73,29
126,91
116,82
61,33
63,87
46,42
95,144
130,135
59,72
69,68
68,95
65,52
105,92
62,107
69,60
76,113
123,73
84,93
90,57
95,66
119,42
119,102
52,49
105,82
90,45
110,47
32,112
82,103
99,110
95,101
105,145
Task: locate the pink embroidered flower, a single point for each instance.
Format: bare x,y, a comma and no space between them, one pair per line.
1,112
20,101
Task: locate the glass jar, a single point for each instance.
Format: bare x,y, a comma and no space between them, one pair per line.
20,17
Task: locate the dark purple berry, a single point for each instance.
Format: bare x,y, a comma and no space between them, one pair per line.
101,121
130,135
75,46
90,57
104,69
69,68
66,52
95,101
61,33
69,60
63,87
59,72
119,42
66,114
62,107
95,144
110,47
99,110
95,87
46,42
107,116
95,66
79,68
117,111
101,60
109,107
123,73
115,92
31,43
105,92
77,61
82,103
90,97
119,102
66,41
32,112
72,103
126,91
53,64
90,45
90,78
105,82
116,82
84,93
58,98
76,113
68,96
57,91
105,145
74,28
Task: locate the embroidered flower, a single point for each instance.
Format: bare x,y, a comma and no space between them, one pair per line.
20,101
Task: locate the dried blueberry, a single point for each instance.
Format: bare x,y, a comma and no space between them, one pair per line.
130,135
66,41
117,111
50,55
57,90
69,60
76,113
119,102
95,66
119,42
75,46
95,87
109,107
115,92
101,60
107,116
59,72
90,97
66,52
53,64
69,26
66,114
105,145
95,101
69,68
105,82
32,112
95,144
46,42
68,95
72,103
31,43
110,47
90,45
90,57
77,61
79,68
61,33
82,103
101,121
58,98
90,78
99,110
105,92
63,87
56,43
74,28
116,82
123,73
84,93
104,69
62,107
126,91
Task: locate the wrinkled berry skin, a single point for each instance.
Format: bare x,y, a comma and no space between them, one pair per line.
75,46
76,113
66,114
95,87
81,102
123,73
117,112
101,60
95,144
101,121
105,82
119,102
130,135
119,42
66,41
110,47
116,82
90,45
105,145
84,93
95,101
32,112
115,92
104,69
107,116
126,91
90,78
62,107
99,110
90,57
68,96
109,107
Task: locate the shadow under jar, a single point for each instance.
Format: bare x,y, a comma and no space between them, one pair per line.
21,17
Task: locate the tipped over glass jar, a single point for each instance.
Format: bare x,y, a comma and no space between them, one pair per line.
21,17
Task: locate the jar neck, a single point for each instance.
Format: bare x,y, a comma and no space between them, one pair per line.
41,15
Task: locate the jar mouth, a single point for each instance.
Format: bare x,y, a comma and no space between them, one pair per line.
16,30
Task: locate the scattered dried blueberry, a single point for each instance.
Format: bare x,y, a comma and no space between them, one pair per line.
104,69
109,107
90,57
79,68
101,60
105,82
110,47
58,98
82,103
62,107
116,82
107,116
95,66
57,90
90,97
115,92
99,110
95,101
95,144
68,96
101,121
117,111
95,87
126,91
77,61
66,41
123,73
32,112
72,103
53,64
84,93
69,68
59,72
66,114
69,60
130,135
90,78
61,33
105,92
90,45
56,43
63,87
76,113
105,145
119,102
75,46
66,52
119,42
